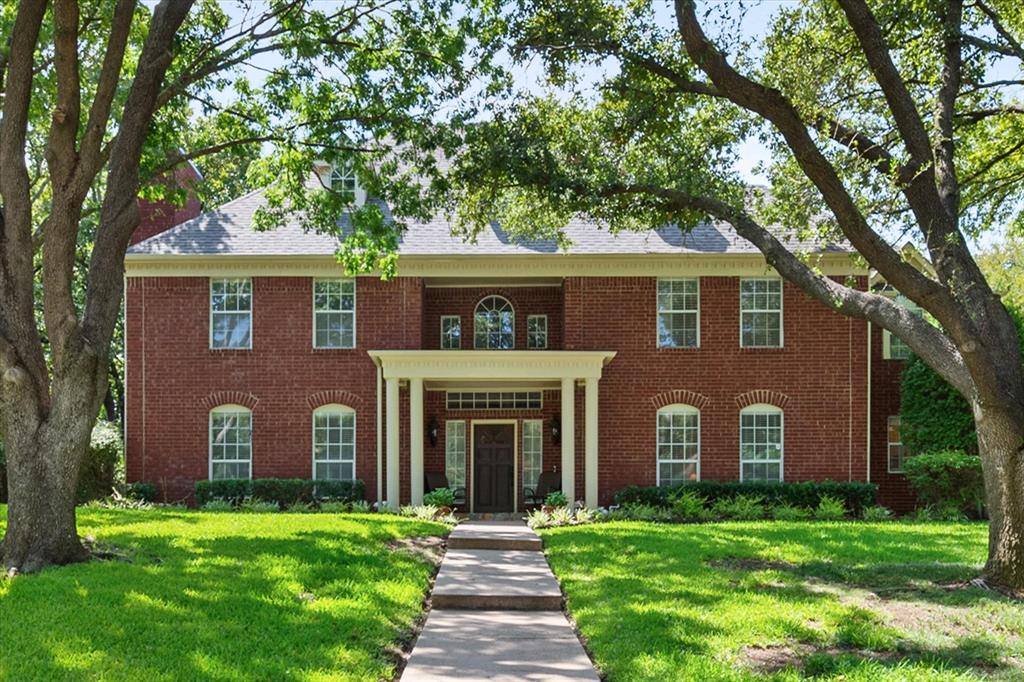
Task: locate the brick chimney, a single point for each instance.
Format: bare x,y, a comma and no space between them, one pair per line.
160,216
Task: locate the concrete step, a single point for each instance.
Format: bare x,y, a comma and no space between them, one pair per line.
508,535
498,645
496,579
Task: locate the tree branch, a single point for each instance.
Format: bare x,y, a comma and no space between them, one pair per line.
1015,47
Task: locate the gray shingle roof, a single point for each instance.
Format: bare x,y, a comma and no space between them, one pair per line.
228,231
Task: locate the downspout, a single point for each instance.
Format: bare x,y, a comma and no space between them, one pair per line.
869,402
380,439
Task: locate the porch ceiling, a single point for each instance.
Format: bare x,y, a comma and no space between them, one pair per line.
491,365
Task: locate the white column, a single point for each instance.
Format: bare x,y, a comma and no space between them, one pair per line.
416,440
569,439
590,443
391,414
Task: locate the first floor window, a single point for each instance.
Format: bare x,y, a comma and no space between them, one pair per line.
678,444
451,332
761,313
897,455
533,452
537,331
230,313
334,313
334,443
678,313
230,442
761,443
455,453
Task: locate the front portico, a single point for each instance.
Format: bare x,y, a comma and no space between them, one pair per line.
423,370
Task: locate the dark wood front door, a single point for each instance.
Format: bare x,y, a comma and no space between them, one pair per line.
493,467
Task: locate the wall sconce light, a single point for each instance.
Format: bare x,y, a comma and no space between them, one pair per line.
556,430
432,429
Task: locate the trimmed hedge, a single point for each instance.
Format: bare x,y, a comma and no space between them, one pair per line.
284,491
141,491
855,495
948,478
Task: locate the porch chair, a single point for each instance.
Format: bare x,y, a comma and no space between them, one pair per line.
547,482
432,480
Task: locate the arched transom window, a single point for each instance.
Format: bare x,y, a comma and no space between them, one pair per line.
494,324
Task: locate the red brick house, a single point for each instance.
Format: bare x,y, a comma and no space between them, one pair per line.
649,358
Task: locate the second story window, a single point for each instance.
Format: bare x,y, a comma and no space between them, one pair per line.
494,324
451,332
678,313
893,347
343,181
231,313
761,313
537,331
334,313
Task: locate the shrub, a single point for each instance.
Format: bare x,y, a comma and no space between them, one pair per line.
344,491
360,507
141,491
217,506
103,466
740,508
689,504
257,506
442,497
877,513
300,508
948,478
283,491
830,509
936,512
933,414
230,490
855,495
335,507
641,512
556,499
789,512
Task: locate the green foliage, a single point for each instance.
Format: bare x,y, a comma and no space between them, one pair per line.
441,497
877,513
282,491
933,415
103,467
789,512
335,507
1003,265
141,491
301,508
948,478
690,505
740,507
855,495
640,512
830,509
345,491
358,507
258,506
556,499
217,506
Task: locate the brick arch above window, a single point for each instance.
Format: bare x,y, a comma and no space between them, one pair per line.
333,397
218,398
681,396
762,396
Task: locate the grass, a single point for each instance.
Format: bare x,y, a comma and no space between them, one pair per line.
219,597
786,601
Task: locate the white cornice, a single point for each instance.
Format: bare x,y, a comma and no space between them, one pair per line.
499,365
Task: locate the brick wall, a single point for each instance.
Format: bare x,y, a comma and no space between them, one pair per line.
462,301
893,491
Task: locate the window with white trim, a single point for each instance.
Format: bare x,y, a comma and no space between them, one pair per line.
494,324
893,347
334,313
334,443
537,331
761,313
231,313
897,454
761,442
494,400
451,332
678,444
455,453
678,313
533,452
230,442
343,180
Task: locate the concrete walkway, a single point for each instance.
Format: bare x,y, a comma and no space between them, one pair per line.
496,613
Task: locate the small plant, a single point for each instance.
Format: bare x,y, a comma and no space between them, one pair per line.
936,512
218,506
256,506
141,491
830,509
538,518
789,512
641,512
556,499
877,513
441,497
300,508
586,515
423,512
361,507
741,508
335,507
690,505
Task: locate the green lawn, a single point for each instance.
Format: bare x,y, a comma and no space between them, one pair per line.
786,601
219,597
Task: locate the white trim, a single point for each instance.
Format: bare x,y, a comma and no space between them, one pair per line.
443,319
491,365
339,409
465,454
471,472
229,407
355,307
540,441
537,317
781,310
513,309
675,408
252,315
763,408
658,311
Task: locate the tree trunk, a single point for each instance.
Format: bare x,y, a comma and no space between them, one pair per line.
1001,444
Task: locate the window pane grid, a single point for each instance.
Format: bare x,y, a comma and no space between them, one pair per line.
896,452
231,313
761,446
678,313
451,332
334,313
537,331
455,453
494,324
230,444
761,313
334,445
678,447
494,400
533,452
